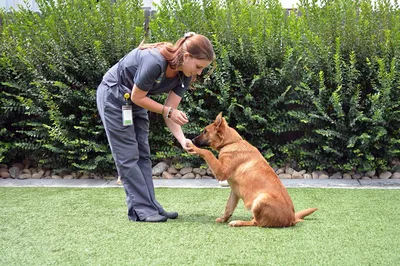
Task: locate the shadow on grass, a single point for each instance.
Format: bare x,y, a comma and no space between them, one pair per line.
204,219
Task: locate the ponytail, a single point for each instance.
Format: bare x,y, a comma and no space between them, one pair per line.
196,44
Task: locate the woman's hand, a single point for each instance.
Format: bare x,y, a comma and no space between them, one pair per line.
178,117
186,146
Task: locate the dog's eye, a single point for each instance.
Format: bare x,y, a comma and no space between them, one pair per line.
205,131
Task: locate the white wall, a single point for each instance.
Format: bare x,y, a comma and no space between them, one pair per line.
148,4
7,4
289,3
285,3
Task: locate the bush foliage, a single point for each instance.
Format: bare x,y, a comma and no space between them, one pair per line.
318,85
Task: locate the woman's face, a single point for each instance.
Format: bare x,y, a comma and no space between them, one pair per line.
192,66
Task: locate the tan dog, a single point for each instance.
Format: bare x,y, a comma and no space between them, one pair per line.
250,177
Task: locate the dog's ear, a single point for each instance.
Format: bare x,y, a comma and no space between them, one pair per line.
218,120
220,123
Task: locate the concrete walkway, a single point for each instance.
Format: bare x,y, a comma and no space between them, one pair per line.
202,183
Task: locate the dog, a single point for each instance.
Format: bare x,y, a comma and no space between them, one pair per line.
250,178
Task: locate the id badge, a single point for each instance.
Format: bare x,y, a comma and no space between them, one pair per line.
127,119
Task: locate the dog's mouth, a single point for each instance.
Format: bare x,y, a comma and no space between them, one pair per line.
199,142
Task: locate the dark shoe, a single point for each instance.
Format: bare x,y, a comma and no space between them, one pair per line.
169,215
155,218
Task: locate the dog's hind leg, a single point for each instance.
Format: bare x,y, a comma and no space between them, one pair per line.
256,208
261,213
268,213
243,223
232,202
230,207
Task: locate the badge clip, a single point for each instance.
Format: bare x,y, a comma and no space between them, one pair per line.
127,96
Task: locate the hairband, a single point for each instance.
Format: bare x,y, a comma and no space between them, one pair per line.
189,34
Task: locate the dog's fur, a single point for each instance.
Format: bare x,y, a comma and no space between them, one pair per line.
250,178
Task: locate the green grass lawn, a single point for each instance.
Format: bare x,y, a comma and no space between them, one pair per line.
64,226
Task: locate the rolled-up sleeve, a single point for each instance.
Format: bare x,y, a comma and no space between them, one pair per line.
148,71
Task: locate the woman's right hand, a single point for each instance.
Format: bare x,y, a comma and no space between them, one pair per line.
178,117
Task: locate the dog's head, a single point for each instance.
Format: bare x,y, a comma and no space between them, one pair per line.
217,134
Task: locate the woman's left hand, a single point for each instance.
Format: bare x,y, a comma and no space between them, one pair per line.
186,146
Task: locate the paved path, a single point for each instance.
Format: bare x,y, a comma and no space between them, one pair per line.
202,183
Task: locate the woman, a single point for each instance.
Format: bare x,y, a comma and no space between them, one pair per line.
123,104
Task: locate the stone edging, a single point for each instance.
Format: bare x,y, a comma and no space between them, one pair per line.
164,171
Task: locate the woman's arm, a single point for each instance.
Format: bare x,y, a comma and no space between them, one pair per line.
173,101
139,97
177,118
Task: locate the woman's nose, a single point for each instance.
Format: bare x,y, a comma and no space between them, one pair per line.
199,71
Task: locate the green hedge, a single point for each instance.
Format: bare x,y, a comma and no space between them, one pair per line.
318,85
53,62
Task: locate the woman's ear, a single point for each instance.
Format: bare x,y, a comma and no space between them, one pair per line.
186,56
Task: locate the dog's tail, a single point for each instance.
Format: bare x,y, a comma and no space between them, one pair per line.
301,214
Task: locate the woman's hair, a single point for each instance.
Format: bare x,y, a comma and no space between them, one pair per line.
197,45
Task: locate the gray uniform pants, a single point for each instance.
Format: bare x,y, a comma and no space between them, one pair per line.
131,152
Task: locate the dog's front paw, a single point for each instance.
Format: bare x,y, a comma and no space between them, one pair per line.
199,151
221,220
193,147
